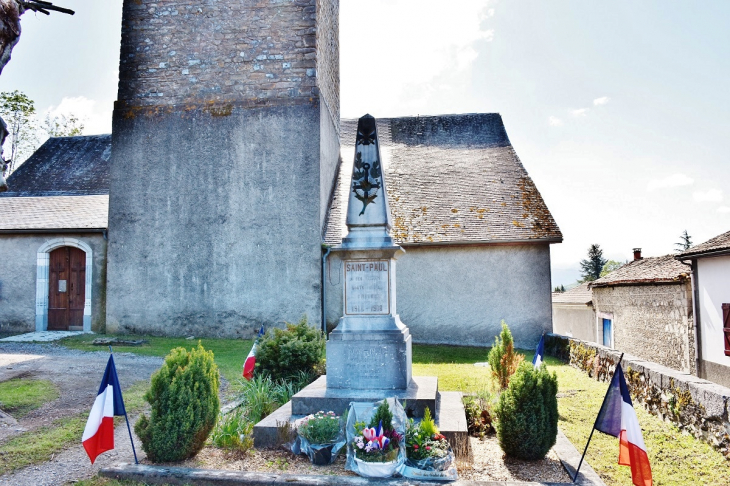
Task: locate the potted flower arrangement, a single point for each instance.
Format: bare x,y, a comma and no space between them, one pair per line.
377,444
318,437
426,449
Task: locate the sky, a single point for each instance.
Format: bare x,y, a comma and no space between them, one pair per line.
619,111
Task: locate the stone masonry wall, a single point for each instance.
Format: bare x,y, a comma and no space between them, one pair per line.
328,57
697,406
180,51
651,321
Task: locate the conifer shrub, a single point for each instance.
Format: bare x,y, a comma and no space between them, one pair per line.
502,358
527,413
184,406
286,353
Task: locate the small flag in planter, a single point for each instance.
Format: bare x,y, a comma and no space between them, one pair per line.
618,418
250,363
539,352
99,432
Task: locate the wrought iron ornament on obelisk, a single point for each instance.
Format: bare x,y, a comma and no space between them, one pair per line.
370,348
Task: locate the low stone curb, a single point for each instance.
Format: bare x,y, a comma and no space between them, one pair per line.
147,474
211,477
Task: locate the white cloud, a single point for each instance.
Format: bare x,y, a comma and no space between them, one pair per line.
580,112
723,209
490,13
555,121
96,118
674,180
601,101
711,195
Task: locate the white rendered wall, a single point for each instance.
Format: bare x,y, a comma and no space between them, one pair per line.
459,295
713,276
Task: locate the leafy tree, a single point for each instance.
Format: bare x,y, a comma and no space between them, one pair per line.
685,242
592,266
18,110
559,288
610,266
63,126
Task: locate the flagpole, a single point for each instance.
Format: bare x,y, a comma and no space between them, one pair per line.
129,429
594,426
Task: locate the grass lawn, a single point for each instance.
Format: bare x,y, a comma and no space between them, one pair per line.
21,395
229,353
676,458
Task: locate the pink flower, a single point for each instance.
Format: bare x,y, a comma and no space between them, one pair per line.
428,448
415,447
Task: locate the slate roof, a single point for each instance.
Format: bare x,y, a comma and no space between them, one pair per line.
580,294
53,212
450,179
716,244
663,269
64,166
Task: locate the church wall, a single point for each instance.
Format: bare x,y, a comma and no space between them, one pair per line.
19,273
224,153
460,294
214,221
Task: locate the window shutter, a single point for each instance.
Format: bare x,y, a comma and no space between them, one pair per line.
726,327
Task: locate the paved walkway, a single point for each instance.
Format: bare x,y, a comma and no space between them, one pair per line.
43,336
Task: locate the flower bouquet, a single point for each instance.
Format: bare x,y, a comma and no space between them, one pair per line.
375,447
428,453
320,437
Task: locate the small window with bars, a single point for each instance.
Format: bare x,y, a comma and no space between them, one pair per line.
726,327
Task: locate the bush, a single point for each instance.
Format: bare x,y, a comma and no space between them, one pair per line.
284,353
503,360
527,413
184,400
479,410
233,431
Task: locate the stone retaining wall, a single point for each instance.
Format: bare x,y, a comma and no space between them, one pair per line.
697,406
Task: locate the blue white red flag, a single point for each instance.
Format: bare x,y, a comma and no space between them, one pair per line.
539,352
99,432
250,364
618,418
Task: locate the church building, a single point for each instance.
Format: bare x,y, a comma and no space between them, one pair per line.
229,167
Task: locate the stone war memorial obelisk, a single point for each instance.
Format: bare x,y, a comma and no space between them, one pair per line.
369,352
370,349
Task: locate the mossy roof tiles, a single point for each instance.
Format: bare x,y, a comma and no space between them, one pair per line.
451,179
54,213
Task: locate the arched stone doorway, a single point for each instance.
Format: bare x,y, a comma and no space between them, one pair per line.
72,268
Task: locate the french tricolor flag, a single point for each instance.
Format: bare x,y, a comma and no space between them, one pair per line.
539,352
99,432
250,364
618,418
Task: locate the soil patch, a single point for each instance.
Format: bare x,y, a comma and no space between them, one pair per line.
489,464
76,374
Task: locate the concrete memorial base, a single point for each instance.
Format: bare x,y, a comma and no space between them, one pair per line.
422,392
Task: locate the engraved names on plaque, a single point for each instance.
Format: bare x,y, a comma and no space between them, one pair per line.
367,287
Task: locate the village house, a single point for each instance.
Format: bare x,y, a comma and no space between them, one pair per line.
574,315
645,308
710,263
53,238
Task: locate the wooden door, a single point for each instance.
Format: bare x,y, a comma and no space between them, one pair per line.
67,289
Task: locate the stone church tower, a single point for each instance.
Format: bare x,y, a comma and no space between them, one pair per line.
225,148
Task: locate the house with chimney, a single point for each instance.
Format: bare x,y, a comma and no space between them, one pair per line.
644,308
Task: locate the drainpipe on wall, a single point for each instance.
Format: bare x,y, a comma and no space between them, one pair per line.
695,315
324,288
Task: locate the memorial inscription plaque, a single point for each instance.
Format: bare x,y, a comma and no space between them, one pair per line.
367,287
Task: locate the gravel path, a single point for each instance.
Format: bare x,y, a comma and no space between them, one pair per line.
77,375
